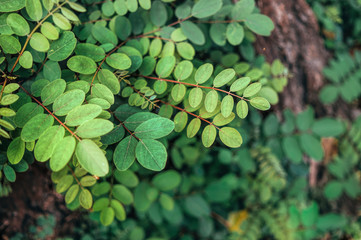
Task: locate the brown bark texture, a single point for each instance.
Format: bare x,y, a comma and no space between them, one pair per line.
297,43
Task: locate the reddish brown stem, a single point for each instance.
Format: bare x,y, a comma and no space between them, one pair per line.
194,85
220,21
143,96
130,132
75,177
156,37
194,115
46,109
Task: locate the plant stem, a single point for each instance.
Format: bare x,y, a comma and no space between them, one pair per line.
194,85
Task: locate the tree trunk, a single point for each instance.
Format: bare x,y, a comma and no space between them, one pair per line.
297,43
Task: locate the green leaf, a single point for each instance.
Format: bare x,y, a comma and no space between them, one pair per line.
211,101
81,114
15,151
18,24
123,194
91,158
305,119
292,149
312,146
155,47
167,180
209,135
183,70
180,121
331,221
62,48
224,77
9,44
49,31
27,112
107,216
94,128
9,173
252,89
270,94
68,101
82,64
6,125
85,199
88,181
145,4
61,21
260,103
203,73
154,128
158,13
193,32
151,154
242,109
7,112
45,146
220,120
118,210
309,215
63,151
124,153
119,61
206,8
104,35
193,127
165,66
39,42
178,92
166,202
195,97
64,183
260,24
243,9
196,206
11,5
333,190
77,7
72,193
136,118
11,87
69,14
36,126
34,9
127,178
186,50
328,127
26,60
100,204
9,99
235,34
240,84
90,50
123,27
52,90
329,94
102,91
227,106
218,33
230,137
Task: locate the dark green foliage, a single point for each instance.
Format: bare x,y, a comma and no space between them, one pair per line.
109,92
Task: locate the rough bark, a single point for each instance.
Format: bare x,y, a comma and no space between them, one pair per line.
33,195
297,42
